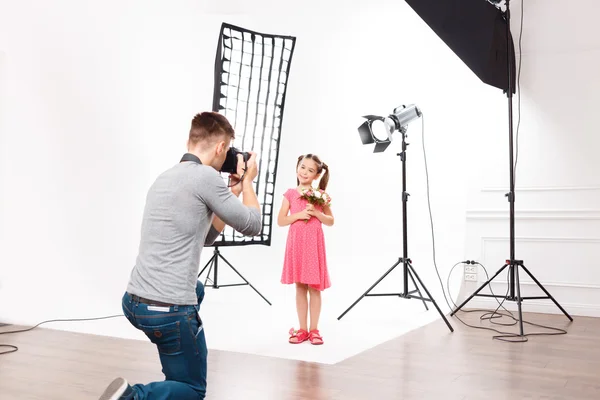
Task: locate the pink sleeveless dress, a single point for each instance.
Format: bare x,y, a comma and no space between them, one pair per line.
305,259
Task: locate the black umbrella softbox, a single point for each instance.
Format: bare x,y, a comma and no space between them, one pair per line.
476,31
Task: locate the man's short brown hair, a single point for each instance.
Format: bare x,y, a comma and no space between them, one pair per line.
209,125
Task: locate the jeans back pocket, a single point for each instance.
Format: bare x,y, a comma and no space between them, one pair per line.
166,337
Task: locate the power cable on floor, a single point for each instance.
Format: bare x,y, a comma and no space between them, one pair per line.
13,348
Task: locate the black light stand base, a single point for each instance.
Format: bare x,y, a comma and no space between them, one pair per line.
213,263
410,272
514,286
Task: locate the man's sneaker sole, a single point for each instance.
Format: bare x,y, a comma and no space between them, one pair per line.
115,390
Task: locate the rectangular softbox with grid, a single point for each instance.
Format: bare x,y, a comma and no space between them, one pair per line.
251,77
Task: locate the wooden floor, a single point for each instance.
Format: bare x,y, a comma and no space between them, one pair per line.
428,363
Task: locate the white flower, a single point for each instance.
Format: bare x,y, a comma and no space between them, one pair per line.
317,194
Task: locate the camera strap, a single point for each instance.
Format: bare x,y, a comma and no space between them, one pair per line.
190,157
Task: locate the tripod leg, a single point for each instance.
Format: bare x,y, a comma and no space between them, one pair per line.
211,263
208,277
547,293
368,290
431,298
479,290
240,275
206,266
417,287
518,284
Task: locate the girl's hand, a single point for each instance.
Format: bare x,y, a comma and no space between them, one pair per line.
314,213
305,215
310,207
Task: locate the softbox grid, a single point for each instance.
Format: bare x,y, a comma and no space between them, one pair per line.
250,86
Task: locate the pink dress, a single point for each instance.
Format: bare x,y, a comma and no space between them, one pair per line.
305,260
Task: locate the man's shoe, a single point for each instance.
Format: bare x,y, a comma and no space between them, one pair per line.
118,389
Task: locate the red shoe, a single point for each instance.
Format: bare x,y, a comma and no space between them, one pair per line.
314,337
299,336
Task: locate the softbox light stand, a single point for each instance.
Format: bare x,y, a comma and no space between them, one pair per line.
514,291
213,266
407,269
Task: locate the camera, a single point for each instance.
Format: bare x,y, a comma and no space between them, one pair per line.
231,161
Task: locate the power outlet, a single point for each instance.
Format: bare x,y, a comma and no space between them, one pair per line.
471,277
470,269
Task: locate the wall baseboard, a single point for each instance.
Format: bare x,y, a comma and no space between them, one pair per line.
538,306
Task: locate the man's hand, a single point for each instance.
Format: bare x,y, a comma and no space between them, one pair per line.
250,166
236,184
248,171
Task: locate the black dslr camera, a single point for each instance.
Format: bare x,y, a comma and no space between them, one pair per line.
231,161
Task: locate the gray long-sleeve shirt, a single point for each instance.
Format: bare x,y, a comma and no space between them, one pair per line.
177,223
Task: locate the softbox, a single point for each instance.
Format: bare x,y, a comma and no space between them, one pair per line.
476,31
250,88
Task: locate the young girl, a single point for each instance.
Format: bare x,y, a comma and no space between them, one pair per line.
305,261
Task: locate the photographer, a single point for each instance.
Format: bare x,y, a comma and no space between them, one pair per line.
187,207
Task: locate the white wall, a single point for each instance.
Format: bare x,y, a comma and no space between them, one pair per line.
557,180
95,113
2,150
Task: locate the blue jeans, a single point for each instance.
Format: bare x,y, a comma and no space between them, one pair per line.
178,333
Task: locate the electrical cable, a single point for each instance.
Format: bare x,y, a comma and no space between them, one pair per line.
431,221
433,230
15,348
494,314
519,94
429,206
10,346
503,336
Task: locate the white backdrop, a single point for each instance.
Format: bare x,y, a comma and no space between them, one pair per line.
99,102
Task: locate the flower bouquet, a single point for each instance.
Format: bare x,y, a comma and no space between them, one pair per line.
316,196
